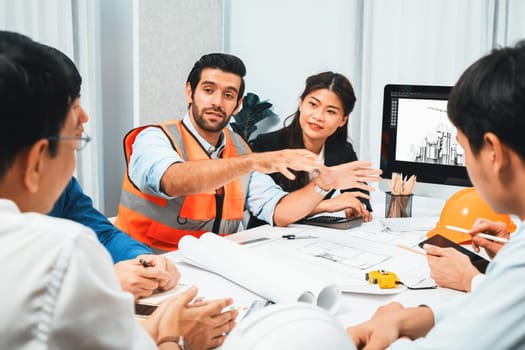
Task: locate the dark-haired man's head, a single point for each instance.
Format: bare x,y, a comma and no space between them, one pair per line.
487,105
74,81
72,74
34,111
225,62
214,91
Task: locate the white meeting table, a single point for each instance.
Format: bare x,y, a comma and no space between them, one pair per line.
355,308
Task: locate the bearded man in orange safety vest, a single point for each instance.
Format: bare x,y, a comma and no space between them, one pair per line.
195,175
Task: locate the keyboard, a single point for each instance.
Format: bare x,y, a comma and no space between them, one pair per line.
332,221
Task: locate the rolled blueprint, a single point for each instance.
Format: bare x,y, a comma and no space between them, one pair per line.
272,278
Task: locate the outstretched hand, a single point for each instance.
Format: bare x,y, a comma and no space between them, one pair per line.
284,160
349,175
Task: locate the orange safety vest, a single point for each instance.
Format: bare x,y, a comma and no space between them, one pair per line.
160,222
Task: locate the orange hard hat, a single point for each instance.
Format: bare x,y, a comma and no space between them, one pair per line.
461,210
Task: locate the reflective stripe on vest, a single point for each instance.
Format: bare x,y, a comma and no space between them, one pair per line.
160,222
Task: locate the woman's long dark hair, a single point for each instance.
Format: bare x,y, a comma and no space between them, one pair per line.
292,133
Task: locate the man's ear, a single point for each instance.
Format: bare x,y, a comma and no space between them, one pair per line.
188,93
35,165
498,152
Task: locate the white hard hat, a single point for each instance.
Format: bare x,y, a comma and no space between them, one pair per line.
287,327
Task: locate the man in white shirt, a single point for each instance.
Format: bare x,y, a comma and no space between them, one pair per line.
60,290
487,107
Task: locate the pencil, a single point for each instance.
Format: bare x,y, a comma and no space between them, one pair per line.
483,235
412,249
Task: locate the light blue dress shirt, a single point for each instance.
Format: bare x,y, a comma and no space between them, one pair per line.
492,316
152,154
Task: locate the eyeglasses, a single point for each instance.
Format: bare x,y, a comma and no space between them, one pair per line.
82,140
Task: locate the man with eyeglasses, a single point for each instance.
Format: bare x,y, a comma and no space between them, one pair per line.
82,141
75,205
60,290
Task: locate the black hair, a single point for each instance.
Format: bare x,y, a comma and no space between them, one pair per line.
339,85
73,77
225,62
490,97
34,98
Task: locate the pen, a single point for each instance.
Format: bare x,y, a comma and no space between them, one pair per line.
483,235
298,237
144,263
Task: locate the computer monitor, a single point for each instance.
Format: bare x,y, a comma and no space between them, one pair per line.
418,139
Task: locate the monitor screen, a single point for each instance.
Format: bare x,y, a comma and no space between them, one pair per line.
418,138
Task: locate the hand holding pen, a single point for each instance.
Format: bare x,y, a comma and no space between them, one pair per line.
491,235
495,229
145,263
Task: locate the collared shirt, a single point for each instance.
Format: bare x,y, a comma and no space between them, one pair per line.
214,151
153,154
492,316
60,290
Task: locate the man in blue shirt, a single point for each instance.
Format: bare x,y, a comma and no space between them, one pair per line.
130,256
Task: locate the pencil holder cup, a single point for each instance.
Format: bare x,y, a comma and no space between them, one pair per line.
398,205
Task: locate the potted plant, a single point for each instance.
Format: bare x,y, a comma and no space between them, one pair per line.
252,112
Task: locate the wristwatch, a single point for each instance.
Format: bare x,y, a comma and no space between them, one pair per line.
179,340
319,190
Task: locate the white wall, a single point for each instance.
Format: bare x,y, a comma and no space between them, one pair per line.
116,54
371,42
148,49
283,42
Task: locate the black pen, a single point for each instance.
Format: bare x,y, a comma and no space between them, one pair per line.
144,263
298,237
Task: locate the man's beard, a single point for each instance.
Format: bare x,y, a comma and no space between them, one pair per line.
204,124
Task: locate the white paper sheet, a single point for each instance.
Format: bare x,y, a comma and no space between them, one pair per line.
279,280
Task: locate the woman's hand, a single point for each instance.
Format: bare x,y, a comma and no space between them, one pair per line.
348,175
349,202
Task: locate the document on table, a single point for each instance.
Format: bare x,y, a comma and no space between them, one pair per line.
275,278
410,224
346,256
